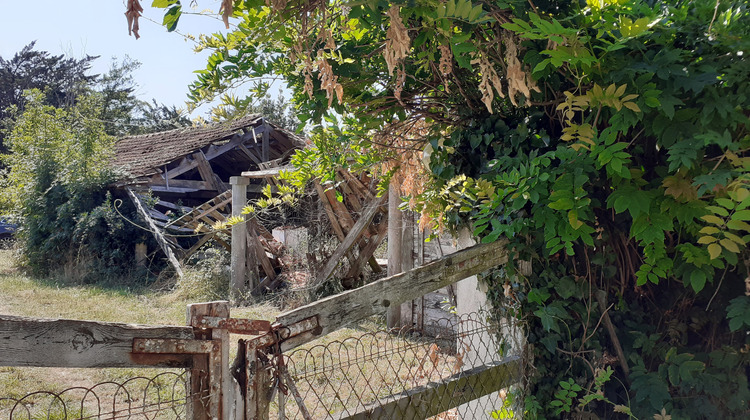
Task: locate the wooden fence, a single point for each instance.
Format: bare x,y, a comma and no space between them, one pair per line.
242,391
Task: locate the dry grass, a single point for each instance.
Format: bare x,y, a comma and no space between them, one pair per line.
347,368
22,295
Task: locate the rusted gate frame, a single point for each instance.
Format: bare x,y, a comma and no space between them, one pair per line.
204,353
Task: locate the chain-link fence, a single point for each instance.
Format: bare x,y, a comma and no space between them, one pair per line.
163,396
463,374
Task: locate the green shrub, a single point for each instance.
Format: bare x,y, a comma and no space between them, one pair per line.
57,185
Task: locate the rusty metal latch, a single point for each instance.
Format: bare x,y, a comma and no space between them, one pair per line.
280,333
174,346
234,325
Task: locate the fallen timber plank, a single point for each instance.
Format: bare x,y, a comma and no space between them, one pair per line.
436,397
346,308
351,238
179,183
249,154
260,253
158,235
35,342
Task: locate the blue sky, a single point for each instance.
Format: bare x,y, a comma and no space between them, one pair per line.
98,27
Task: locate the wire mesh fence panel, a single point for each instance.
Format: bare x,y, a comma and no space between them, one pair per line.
462,374
163,396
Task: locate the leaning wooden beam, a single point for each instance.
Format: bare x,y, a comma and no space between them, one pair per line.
265,151
260,254
356,182
351,238
174,190
84,344
158,235
365,253
345,219
193,249
331,216
436,397
346,308
184,166
206,172
249,154
180,183
174,206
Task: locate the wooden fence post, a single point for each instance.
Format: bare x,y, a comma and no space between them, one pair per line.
407,263
239,239
210,374
393,314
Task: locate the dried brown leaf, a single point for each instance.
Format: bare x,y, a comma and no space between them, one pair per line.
328,80
400,80
490,80
434,356
459,362
327,36
308,78
227,7
132,14
446,59
519,81
397,42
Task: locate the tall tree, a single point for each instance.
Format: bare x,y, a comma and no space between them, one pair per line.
119,103
152,117
61,79
279,111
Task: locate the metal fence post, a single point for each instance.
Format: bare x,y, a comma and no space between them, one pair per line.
211,393
258,375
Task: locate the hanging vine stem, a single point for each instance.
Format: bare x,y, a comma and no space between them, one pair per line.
721,280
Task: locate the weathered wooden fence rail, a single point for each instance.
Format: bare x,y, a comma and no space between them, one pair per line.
243,391
34,342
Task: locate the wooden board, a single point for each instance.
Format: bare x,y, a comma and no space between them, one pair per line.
351,237
346,308
82,344
180,183
267,173
158,235
436,397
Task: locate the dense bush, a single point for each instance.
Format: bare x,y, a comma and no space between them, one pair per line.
57,185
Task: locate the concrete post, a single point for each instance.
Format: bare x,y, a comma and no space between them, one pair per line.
239,237
140,254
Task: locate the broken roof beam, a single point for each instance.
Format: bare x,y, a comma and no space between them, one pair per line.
207,173
265,152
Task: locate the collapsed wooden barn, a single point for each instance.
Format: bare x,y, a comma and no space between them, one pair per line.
180,183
